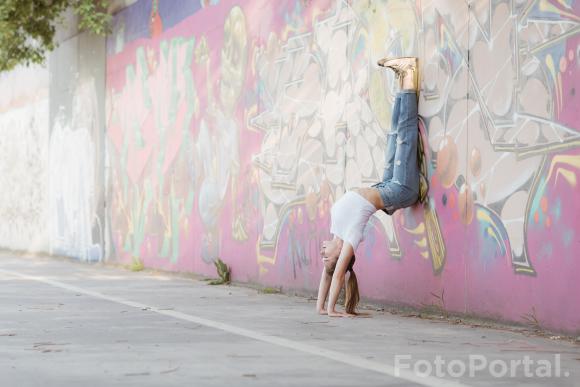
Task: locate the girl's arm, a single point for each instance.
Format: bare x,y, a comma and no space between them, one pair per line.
323,291
346,254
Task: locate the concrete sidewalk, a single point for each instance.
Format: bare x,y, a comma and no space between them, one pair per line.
66,323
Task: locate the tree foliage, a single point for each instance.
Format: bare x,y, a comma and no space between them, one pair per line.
27,27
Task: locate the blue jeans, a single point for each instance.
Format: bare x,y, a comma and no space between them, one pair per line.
400,185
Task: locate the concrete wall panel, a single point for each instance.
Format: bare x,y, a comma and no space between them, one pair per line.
77,187
24,113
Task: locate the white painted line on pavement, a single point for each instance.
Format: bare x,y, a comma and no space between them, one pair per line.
276,340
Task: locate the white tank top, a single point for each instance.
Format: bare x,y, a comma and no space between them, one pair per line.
349,216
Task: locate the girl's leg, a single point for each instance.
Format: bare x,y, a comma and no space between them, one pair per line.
403,188
405,169
392,140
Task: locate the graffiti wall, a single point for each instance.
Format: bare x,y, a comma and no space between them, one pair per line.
232,128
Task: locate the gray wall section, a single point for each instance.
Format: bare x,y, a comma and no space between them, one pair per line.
77,127
52,132
24,159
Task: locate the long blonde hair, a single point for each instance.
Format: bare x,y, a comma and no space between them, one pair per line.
351,297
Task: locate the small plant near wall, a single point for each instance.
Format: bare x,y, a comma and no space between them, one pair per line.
223,272
28,27
532,320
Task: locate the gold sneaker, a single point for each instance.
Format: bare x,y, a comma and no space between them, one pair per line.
402,65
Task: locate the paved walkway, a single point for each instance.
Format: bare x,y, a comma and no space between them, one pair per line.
64,323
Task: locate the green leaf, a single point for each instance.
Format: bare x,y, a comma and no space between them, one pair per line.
27,27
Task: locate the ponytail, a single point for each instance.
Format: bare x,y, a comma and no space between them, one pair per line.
352,296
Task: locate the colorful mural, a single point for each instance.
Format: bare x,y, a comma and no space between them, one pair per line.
232,127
